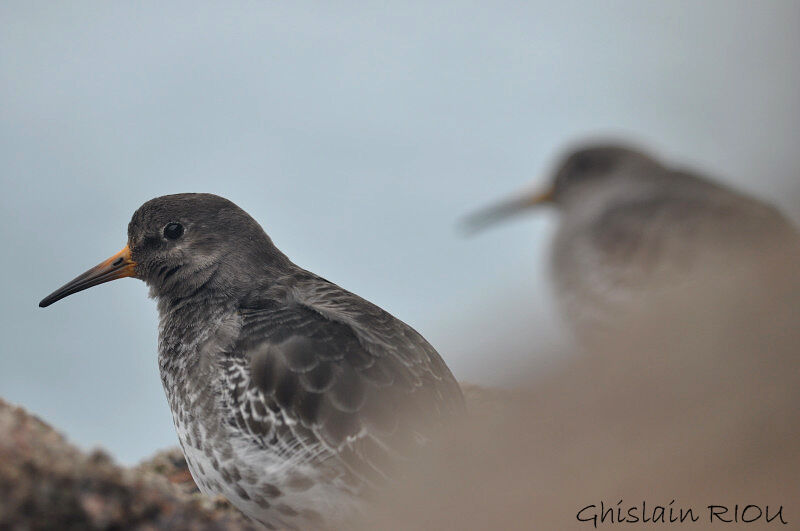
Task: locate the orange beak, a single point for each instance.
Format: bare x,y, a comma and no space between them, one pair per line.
118,266
506,209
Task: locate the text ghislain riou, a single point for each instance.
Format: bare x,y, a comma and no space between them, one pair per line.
670,514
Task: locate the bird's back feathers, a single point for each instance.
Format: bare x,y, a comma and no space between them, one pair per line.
336,375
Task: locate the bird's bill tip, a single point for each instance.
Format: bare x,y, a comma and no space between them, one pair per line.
118,266
500,211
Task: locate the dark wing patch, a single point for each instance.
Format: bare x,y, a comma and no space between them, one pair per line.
344,379
321,378
689,228
300,354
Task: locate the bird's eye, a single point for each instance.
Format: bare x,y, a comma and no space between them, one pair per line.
173,231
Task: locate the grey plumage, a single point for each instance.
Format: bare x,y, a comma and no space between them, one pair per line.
291,396
631,227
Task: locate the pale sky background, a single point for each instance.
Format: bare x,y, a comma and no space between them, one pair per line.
357,134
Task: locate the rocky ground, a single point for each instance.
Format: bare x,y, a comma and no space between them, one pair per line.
46,483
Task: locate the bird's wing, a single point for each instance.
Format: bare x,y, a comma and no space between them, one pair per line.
339,377
697,220
755,217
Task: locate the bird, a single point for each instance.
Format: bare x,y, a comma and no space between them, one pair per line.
631,227
293,398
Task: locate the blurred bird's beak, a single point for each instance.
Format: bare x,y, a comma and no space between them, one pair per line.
504,210
118,266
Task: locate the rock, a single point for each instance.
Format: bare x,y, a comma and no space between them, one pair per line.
172,465
46,483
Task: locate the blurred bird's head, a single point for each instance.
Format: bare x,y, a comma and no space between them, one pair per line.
586,174
180,243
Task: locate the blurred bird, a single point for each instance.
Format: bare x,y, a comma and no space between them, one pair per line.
292,397
631,227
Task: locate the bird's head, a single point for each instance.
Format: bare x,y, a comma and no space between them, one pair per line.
180,243
582,175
